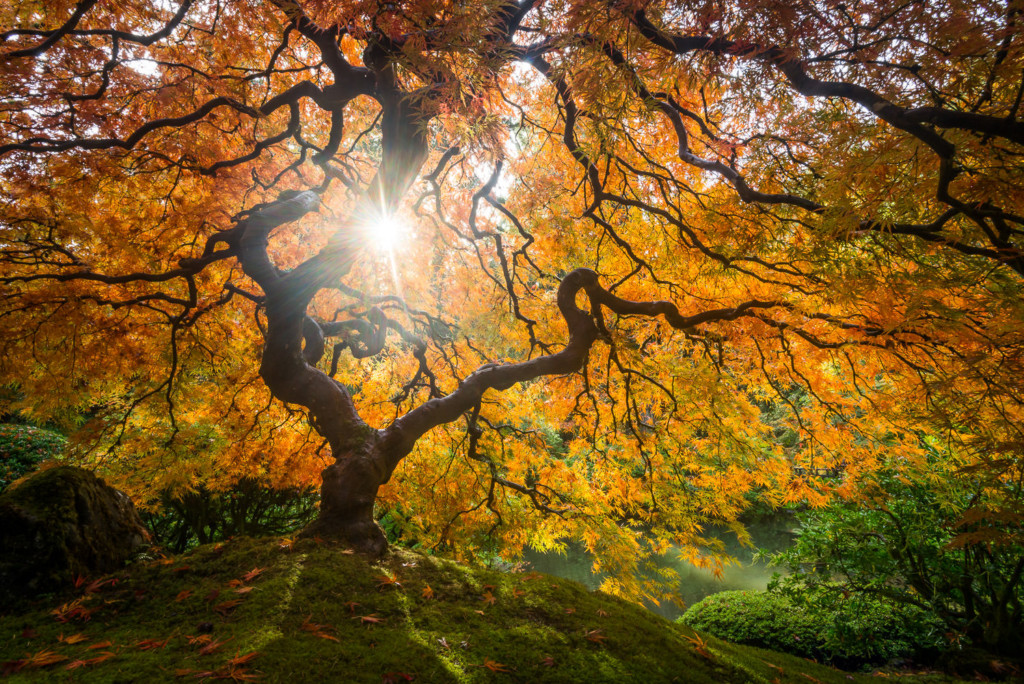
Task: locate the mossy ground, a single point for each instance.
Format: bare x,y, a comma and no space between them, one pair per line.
273,611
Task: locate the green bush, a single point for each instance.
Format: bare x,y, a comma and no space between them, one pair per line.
921,537
847,633
250,508
23,448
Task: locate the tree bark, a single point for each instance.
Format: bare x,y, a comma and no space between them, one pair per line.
347,497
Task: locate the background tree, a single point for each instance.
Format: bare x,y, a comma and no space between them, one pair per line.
921,537
631,230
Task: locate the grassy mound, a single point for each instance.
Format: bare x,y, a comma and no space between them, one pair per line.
274,611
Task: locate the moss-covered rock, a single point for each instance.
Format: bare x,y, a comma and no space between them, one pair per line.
60,524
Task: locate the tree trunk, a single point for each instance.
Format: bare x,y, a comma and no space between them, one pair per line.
346,502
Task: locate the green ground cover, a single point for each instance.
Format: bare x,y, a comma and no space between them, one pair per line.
272,610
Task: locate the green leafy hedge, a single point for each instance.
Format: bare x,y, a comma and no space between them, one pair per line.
23,448
249,508
848,633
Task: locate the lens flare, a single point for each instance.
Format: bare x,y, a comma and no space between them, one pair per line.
387,233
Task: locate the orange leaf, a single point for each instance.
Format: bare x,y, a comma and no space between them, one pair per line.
212,647
243,659
384,581
325,635
105,655
96,585
152,644
42,658
371,619
494,666
253,574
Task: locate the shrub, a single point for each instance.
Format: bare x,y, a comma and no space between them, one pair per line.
848,633
250,508
23,448
920,537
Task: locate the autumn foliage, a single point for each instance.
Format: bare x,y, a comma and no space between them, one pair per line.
658,257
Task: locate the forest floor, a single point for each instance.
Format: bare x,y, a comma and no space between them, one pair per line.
271,610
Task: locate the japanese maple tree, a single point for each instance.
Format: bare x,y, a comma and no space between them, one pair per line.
532,269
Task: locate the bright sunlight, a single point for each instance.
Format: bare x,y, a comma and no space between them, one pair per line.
386,232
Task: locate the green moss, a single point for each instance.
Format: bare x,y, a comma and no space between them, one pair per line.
302,613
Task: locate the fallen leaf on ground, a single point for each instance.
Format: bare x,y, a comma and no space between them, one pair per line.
98,584
699,645
253,574
212,647
43,658
243,659
318,630
105,655
152,644
494,666
384,582
371,619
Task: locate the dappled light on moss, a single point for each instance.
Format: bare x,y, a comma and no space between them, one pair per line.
321,611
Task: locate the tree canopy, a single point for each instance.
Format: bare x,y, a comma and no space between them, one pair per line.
523,271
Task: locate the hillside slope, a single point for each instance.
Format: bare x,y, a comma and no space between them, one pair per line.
274,611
